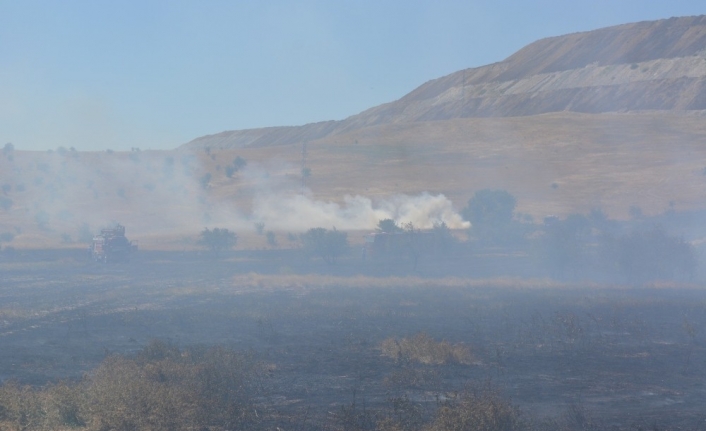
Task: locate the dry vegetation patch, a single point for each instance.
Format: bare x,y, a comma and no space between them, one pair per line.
162,388
424,349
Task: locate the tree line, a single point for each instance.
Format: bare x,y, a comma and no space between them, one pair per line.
580,246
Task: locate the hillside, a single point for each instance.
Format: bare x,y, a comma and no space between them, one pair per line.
656,65
564,126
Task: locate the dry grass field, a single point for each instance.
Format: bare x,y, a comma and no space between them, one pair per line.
559,164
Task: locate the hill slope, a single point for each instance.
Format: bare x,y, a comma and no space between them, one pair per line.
655,65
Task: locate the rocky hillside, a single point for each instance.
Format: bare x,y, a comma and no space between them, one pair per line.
654,65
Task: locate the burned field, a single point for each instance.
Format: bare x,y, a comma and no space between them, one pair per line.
336,352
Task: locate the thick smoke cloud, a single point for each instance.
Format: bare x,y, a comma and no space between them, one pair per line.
301,211
155,193
283,204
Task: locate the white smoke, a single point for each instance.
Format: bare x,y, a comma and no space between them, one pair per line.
300,212
154,193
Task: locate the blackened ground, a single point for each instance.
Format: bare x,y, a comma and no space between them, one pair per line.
627,355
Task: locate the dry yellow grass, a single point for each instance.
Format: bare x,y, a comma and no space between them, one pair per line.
557,163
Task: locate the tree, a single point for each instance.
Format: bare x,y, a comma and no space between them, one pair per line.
651,255
443,238
388,226
8,150
490,213
218,239
326,244
205,180
239,163
412,246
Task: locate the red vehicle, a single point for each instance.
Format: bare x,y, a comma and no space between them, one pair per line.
111,245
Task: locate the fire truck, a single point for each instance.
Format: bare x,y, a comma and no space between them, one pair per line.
112,246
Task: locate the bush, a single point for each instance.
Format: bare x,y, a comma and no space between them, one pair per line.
162,388
483,410
238,164
205,180
388,226
424,349
327,244
218,240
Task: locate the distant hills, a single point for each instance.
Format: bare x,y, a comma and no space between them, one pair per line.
652,65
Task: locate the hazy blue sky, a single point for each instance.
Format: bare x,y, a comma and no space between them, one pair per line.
155,74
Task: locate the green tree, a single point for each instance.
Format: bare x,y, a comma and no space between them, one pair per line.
239,163
491,213
326,244
218,239
443,238
388,226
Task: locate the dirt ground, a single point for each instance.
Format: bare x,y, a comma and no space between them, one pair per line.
627,356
